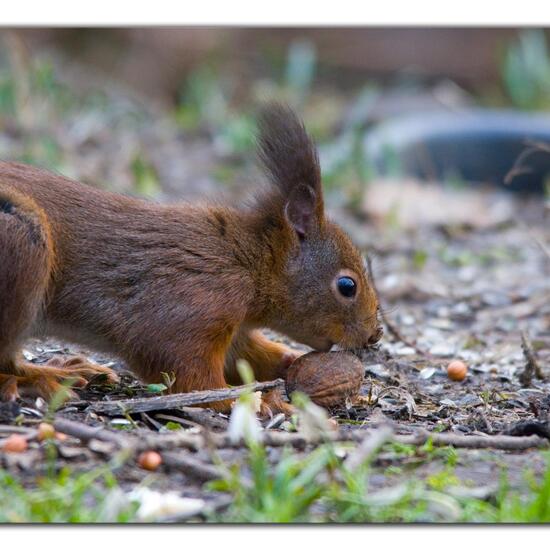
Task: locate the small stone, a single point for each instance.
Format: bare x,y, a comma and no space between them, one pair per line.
406,350
427,373
495,299
442,350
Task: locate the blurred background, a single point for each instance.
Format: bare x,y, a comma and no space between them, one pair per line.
170,112
434,148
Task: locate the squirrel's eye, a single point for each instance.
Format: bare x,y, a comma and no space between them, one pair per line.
346,287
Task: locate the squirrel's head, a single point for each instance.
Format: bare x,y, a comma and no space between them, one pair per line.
318,291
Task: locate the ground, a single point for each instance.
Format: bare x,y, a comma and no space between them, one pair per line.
466,286
470,296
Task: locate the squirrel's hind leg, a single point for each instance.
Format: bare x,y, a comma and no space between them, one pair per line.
45,380
26,267
27,263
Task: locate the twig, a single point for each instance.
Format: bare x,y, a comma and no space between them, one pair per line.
163,402
519,167
300,441
86,433
7,429
368,447
204,417
195,441
191,466
532,368
522,225
502,442
392,329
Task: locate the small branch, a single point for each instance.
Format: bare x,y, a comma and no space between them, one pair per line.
86,433
300,441
203,417
368,448
191,466
532,368
174,401
144,440
7,429
519,166
502,442
522,225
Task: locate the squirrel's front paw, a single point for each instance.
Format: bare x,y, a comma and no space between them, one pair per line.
281,364
273,403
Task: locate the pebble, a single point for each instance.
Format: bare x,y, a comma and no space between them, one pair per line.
378,370
406,350
407,320
442,350
427,373
461,310
495,299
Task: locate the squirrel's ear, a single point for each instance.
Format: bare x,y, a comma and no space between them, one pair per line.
300,209
290,159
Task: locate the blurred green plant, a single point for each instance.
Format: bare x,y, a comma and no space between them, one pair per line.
282,494
535,508
319,487
63,498
7,94
205,104
207,100
332,483
146,181
526,71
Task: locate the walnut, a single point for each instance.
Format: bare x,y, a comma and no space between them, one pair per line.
329,379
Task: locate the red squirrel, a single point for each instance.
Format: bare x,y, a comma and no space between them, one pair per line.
181,289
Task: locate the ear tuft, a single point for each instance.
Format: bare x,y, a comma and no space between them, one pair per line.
291,161
286,151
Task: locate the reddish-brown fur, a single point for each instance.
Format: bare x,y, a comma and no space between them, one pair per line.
178,289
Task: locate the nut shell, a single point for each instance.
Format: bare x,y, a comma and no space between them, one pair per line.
149,460
15,443
457,370
329,379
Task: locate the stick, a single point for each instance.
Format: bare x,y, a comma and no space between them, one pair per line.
532,368
86,433
163,402
143,440
7,429
368,447
191,466
300,441
519,167
502,442
204,417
